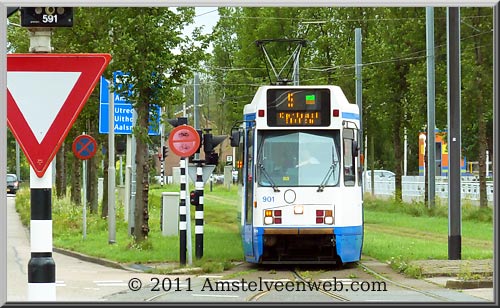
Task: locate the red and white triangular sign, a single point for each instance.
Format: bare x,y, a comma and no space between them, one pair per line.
45,94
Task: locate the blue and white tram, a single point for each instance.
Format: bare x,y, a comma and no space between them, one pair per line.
301,176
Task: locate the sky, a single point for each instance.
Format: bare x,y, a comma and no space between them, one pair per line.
206,17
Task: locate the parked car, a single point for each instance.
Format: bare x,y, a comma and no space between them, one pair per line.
12,183
381,174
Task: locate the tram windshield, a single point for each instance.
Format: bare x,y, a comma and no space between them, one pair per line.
292,158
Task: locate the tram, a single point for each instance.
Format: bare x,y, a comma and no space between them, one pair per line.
300,173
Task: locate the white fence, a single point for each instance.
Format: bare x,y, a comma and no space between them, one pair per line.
414,188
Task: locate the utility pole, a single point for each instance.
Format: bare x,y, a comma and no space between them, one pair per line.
359,86
111,171
454,136
431,137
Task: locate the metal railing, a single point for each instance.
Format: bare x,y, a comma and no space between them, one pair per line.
413,188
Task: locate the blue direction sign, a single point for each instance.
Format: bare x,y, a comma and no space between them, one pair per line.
123,110
84,147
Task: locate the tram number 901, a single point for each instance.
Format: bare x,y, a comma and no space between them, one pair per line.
268,199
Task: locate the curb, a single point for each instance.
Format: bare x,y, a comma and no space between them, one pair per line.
468,284
138,268
100,261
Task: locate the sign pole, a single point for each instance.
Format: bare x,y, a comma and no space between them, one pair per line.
41,267
84,147
84,197
199,211
184,140
182,212
189,244
111,173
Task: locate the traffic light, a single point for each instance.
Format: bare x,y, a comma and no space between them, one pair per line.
48,16
210,142
194,197
212,158
200,133
178,121
165,151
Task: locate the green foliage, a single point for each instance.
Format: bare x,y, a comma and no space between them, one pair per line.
222,240
401,265
394,67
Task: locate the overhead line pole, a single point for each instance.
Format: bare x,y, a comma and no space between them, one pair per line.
431,138
454,136
111,171
359,86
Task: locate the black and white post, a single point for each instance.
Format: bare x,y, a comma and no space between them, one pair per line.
182,212
41,267
162,170
198,229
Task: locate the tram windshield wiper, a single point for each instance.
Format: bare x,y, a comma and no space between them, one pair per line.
329,173
268,177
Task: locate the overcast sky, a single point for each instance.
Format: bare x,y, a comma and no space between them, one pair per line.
206,17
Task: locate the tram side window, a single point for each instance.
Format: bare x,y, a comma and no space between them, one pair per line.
349,172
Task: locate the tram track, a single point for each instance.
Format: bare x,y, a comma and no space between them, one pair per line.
335,294
402,285
322,289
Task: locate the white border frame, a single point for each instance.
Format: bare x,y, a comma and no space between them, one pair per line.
210,3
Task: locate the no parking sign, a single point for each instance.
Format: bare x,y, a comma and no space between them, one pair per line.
84,147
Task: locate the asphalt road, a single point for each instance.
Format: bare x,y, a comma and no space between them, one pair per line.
76,280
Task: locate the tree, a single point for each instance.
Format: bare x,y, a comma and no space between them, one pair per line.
154,69
477,64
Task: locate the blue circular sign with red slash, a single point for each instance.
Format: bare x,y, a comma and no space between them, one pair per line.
84,147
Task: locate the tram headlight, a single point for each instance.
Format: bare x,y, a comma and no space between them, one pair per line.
268,217
298,209
268,220
329,217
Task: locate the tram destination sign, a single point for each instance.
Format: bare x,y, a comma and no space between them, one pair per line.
298,107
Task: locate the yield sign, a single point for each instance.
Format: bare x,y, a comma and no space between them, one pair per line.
45,94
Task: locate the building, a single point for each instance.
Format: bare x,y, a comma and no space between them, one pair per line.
441,155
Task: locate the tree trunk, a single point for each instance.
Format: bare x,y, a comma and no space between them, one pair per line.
372,164
398,157
60,172
76,188
482,137
93,182
104,212
398,117
92,178
141,229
